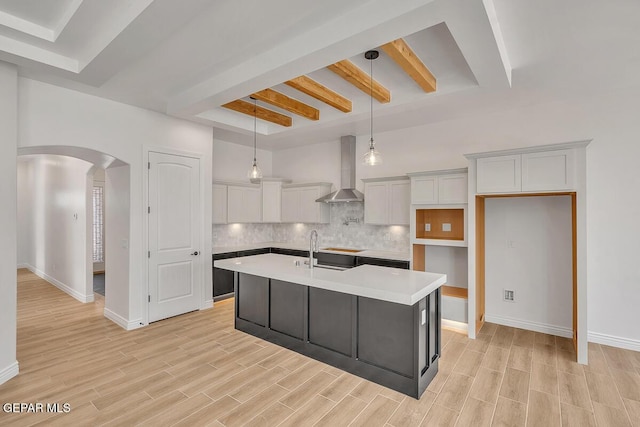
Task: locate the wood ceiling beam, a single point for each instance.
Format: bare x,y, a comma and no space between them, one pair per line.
262,113
354,75
320,92
281,100
401,53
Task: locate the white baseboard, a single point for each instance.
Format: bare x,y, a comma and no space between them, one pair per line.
531,326
62,286
22,265
613,341
121,321
452,325
9,372
207,304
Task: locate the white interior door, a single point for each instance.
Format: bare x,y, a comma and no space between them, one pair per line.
175,262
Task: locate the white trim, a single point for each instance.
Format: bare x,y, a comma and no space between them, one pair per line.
62,286
533,149
207,304
614,341
9,372
531,326
23,265
452,325
121,321
439,172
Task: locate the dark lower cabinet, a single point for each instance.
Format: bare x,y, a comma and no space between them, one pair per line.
222,279
330,314
251,294
382,262
290,252
395,345
286,308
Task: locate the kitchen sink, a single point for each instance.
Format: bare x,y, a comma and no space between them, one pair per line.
351,251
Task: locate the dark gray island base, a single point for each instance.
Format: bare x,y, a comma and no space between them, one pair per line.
394,345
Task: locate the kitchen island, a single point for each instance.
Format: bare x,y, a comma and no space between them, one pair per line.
380,323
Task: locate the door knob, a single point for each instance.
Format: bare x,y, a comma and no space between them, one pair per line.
196,253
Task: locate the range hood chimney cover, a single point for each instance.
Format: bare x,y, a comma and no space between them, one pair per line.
347,192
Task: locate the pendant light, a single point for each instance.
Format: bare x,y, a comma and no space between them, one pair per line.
372,157
255,174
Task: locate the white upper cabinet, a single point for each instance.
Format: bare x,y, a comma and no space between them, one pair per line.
443,187
452,189
386,201
244,203
272,199
424,190
299,203
501,174
548,170
219,204
534,170
399,201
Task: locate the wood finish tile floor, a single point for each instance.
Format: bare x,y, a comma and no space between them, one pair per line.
196,369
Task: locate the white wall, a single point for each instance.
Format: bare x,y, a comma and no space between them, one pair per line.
117,232
613,205
311,163
231,162
8,221
54,116
24,229
528,249
55,219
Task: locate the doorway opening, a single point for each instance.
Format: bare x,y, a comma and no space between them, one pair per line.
567,259
64,215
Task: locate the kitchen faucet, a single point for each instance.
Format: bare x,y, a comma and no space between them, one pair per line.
313,246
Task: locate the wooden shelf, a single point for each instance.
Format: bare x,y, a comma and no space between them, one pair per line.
453,291
439,242
437,220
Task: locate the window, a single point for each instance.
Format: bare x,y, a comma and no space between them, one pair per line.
98,224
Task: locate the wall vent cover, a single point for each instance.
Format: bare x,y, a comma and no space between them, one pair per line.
509,295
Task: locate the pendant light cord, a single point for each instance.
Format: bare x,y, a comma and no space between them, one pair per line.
255,127
371,101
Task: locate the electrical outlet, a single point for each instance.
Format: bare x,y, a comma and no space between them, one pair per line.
427,227
509,295
446,226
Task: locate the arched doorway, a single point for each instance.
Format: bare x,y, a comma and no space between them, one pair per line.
55,226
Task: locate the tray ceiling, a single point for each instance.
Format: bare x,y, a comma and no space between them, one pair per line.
188,58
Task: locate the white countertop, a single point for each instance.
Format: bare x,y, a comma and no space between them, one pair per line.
383,283
396,256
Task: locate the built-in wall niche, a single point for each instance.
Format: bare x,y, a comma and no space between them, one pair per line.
440,224
450,260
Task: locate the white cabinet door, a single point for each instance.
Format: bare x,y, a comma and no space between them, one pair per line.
235,204
452,189
500,174
244,204
424,190
376,203
252,205
548,171
290,197
271,201
219,204
399,201
308,207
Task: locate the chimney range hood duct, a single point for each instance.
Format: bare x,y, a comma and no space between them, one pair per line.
348,192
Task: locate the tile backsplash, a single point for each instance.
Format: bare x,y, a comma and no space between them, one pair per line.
346,229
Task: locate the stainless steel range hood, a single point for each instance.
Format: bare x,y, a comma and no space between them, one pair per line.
347,192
